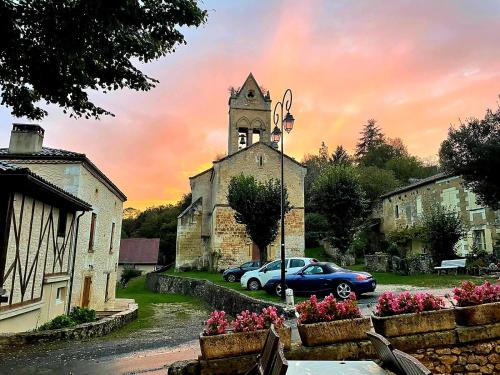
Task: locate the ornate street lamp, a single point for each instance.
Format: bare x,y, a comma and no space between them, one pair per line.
286,123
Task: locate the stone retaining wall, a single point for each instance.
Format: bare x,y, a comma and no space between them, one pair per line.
463,350
86,330
218,297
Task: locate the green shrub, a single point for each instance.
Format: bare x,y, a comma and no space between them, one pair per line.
61,321
128,274
82,315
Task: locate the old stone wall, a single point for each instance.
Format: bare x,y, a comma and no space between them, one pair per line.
216,296
82,331
188,245
378,262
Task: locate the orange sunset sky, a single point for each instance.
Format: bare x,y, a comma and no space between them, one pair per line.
414,66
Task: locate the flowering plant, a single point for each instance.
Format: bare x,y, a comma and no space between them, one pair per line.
244,322
270,316
312,311
470,294
247,322
407,303
216,324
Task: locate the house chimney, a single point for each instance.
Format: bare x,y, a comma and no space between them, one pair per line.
26,139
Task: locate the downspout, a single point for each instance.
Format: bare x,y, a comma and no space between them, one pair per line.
73,263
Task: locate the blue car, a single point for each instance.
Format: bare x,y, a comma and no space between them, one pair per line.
324,278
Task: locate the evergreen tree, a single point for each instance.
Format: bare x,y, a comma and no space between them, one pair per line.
341,157
371,136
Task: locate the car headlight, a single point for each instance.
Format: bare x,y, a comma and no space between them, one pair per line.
360,277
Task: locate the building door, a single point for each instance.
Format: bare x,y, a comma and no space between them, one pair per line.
255,252
87,283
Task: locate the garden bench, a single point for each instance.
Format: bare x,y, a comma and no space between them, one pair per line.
451,264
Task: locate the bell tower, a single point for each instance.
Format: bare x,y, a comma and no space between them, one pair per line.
249,116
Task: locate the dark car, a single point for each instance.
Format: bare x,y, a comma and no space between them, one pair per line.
324,278
234,274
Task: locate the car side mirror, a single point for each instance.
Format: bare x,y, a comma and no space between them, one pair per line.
264,270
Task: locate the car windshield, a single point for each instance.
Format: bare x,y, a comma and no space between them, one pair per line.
247,265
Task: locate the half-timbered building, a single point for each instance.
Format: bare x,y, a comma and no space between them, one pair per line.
39,225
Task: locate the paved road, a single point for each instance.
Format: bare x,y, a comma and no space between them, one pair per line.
173,337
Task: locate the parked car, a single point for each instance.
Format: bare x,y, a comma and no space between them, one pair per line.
254,280
324,278
234,274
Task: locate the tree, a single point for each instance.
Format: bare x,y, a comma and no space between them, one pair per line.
378,155
316,227
56,50
337,194
408,167
376,181
257,205
473,151
341,157
441,232
371,136
315,164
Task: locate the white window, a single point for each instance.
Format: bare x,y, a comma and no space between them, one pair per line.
419,206
479,239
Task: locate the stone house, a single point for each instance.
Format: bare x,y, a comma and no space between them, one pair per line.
206,230
139,254
38,230
98,241
405,206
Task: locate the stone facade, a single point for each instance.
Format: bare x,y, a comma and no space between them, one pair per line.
404,207
98,262
207,233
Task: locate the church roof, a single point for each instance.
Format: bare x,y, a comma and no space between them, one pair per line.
251,78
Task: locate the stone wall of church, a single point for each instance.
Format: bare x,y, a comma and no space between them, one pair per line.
235,247
189,241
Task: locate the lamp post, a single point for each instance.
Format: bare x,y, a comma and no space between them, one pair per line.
287,124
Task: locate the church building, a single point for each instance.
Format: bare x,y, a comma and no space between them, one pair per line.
207,233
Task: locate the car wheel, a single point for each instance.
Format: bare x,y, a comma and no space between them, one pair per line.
277,289
343,290
253,284
231,278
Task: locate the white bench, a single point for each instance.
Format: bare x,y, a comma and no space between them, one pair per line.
451,264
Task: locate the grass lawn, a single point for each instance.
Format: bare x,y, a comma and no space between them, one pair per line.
217,279
428,280
136,289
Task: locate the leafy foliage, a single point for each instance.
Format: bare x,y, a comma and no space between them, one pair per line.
473,151
60,321
442,230
82,315
128,274
258,207
376,181
56,51
341,157
316,227
337,194
156,222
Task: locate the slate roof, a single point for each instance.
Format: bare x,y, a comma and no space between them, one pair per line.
421,182
25,180
57,154
139,251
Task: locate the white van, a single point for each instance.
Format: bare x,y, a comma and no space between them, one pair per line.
254,280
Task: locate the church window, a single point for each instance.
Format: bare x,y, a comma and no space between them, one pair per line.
261,161
251,94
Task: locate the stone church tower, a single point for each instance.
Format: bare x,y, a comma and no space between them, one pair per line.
207,233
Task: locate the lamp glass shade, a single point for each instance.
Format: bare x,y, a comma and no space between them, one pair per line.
276,135
288,122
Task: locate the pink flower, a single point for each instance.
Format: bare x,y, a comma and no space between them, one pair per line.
406,303
329,309
216,324
470,294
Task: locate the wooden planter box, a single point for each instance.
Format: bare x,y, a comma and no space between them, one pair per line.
240,343
486,313
410,324
325,333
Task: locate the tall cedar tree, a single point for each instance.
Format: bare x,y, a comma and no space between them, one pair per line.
55,51
473,151
371,136
257,205
341,157
337,194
